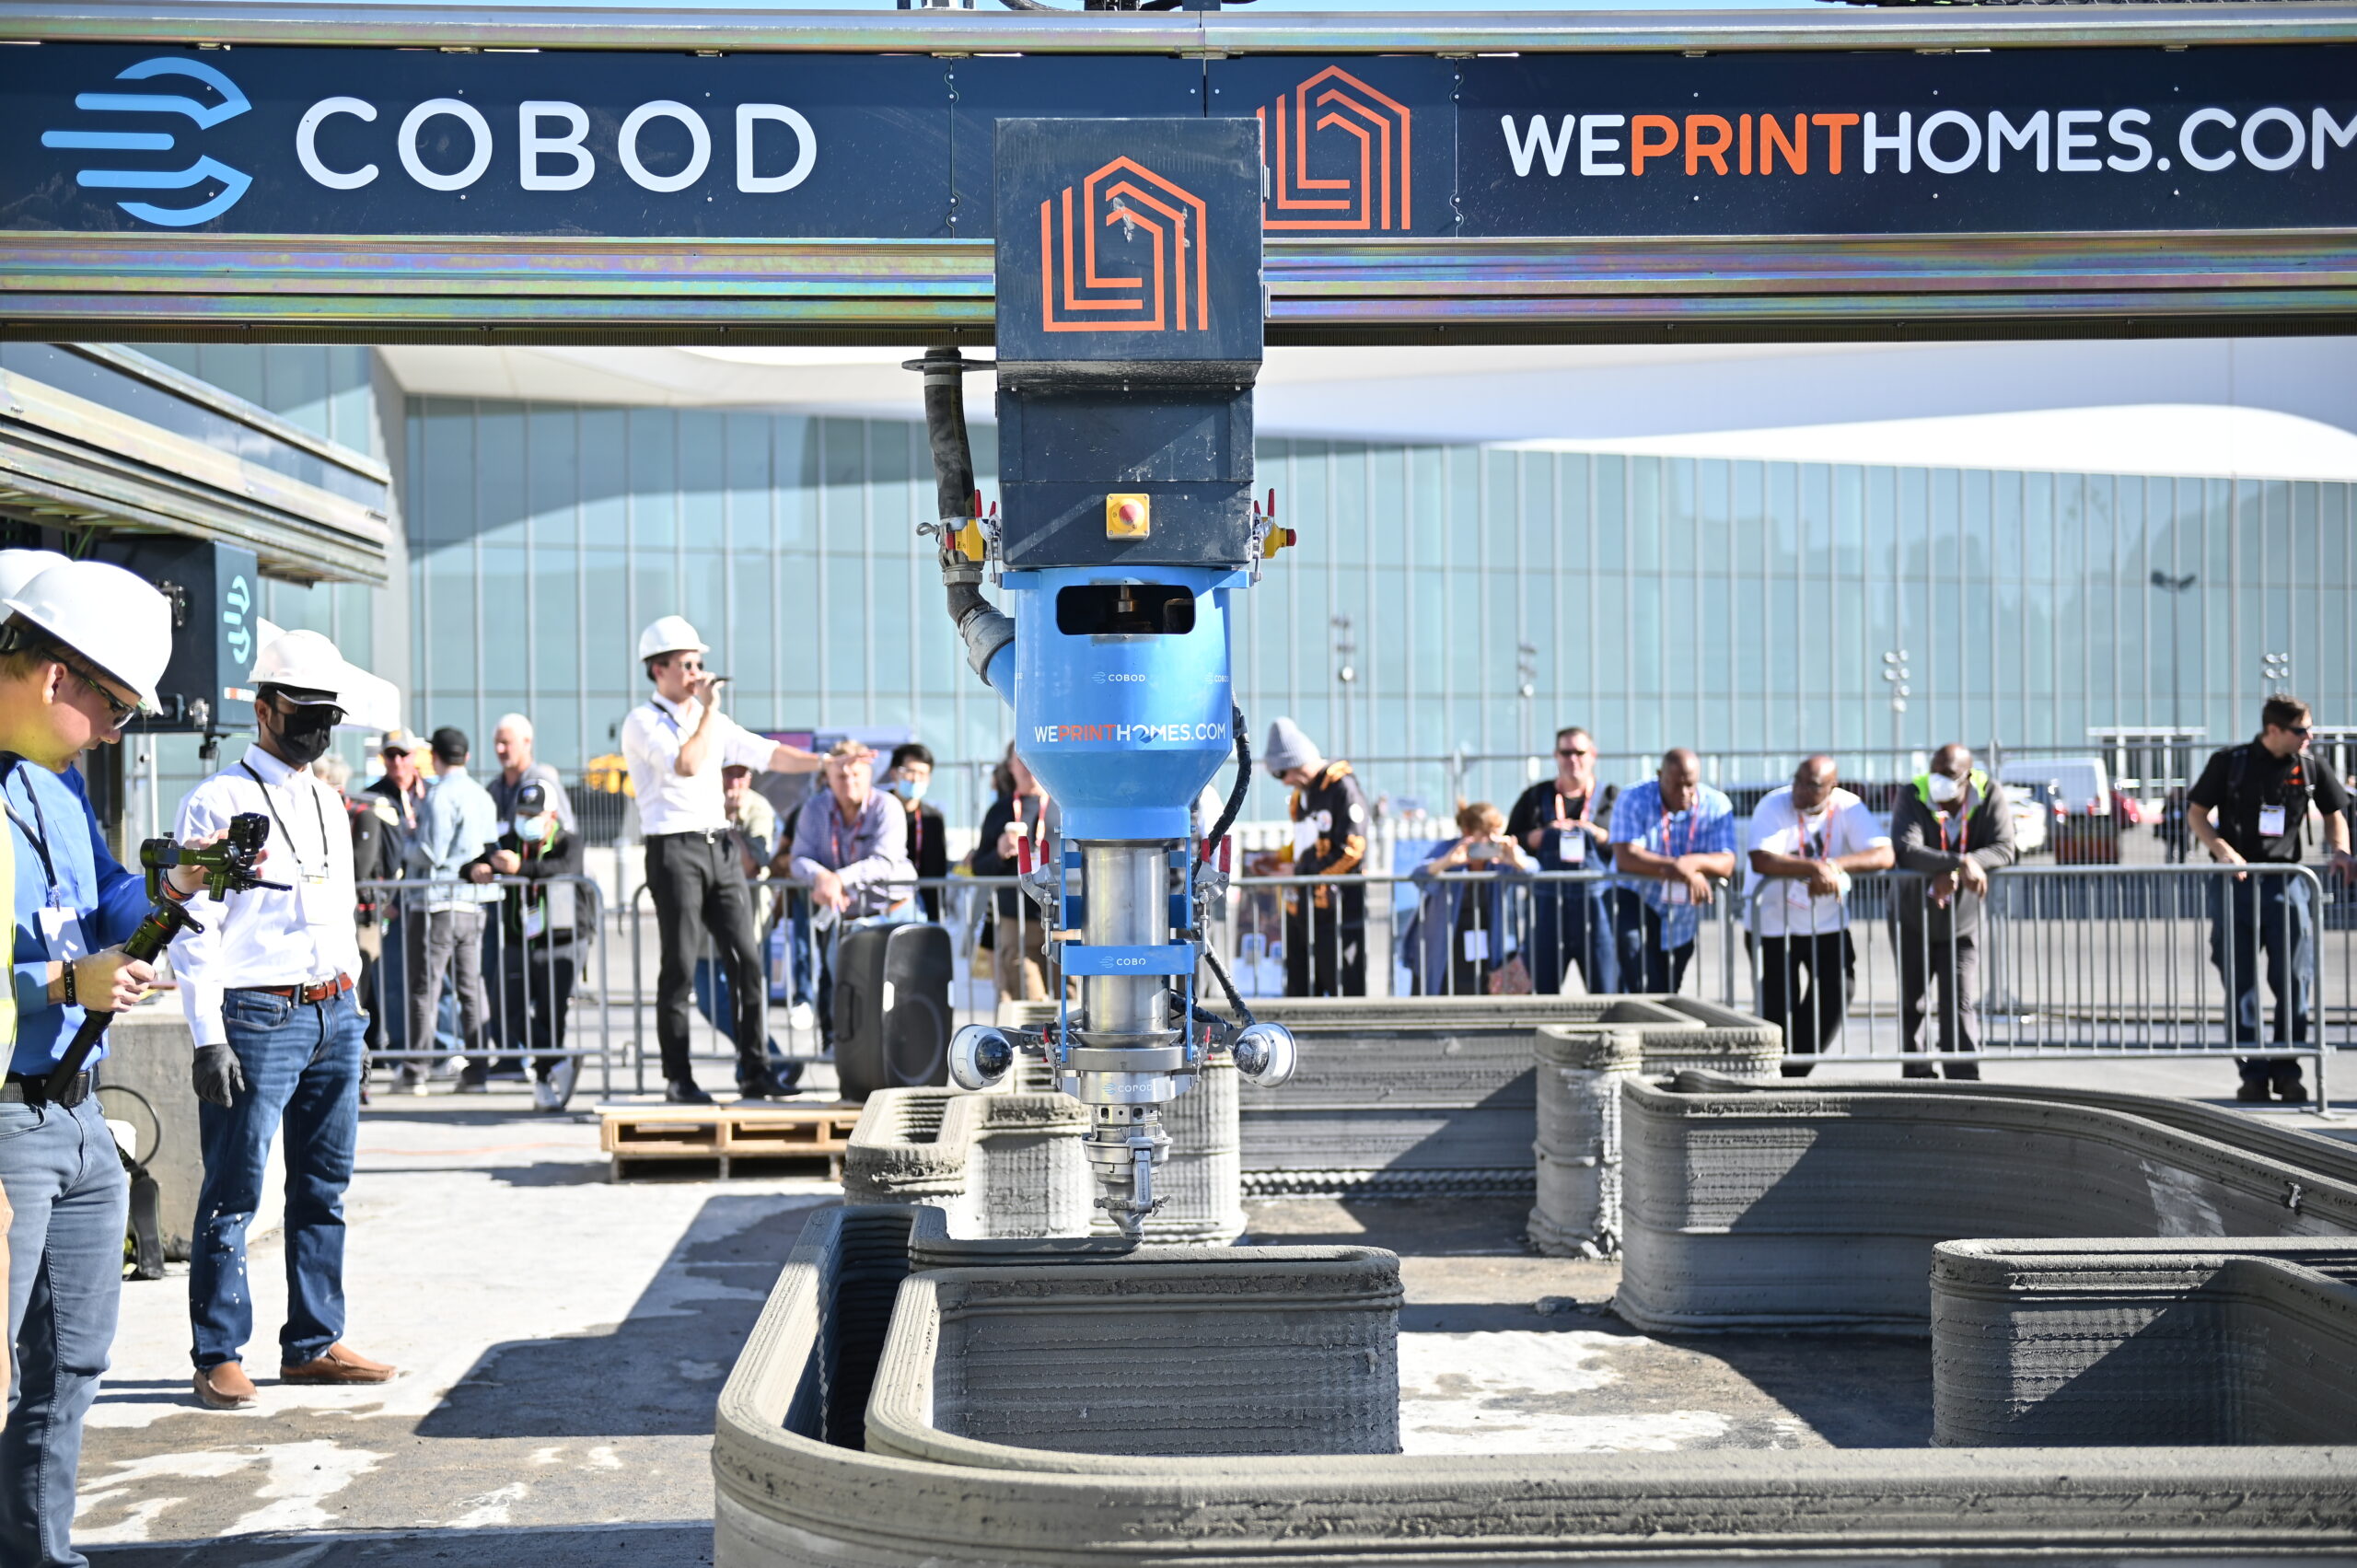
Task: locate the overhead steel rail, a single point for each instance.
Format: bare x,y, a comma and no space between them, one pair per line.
2068,171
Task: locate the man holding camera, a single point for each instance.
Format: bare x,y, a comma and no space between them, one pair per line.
82,648
269,989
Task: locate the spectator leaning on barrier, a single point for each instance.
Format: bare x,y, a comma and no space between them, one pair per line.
456,824
675,744
1020,813
850,847
1461,942
911,772
401,786
512,743
1325,925
1671,836
83,646
2250,805
1952,828
1565,823
536,959
268,987
1807,839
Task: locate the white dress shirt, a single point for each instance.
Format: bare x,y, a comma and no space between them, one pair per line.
667,803
263,936
1840,825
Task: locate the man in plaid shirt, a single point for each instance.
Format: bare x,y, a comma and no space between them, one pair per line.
1670,839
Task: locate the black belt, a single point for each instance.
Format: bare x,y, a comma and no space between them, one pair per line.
25,1088
709,835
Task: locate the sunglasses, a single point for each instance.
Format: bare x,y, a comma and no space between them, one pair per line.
1561,752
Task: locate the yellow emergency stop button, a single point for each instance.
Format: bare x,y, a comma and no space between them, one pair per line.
1129,516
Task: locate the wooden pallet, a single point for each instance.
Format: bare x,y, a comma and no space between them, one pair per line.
640,1139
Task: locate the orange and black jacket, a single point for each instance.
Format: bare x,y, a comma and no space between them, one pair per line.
1333,799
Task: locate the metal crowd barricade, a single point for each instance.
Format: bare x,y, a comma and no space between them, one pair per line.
537,975
2137,962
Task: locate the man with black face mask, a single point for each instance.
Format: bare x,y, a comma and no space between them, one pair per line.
268,987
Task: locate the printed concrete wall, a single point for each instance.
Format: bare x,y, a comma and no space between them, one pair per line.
997,1164
1819,1206
1579,1074
2180,1342
1165,1350
797,1486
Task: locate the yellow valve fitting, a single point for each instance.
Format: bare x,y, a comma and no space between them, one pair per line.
1277,539
970,540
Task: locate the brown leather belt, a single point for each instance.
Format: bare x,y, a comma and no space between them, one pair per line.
327,990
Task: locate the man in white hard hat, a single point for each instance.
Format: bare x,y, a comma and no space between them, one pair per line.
268,986
676,745
81,649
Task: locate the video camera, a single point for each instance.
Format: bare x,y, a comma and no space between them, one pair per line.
228,869
228,864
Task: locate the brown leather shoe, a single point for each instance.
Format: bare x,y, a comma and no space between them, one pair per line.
225,1388
339,1365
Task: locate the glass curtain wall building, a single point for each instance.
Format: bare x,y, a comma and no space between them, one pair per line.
1734,606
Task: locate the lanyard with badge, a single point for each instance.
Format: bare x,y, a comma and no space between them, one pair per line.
2275,820
1678,892
1571,846
311,883
60,926
1797,892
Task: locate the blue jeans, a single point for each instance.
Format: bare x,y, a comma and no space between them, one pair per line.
302,1064
1570,923
66,1182
2271,916
1647,969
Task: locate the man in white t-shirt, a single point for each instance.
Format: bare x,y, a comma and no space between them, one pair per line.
1807,839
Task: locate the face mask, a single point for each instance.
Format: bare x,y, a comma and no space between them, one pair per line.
1946,791
534,830
909,789
304,734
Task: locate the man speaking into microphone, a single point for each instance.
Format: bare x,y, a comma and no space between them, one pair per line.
269,989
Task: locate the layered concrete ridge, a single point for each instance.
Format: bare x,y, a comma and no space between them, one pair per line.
996,1165
1817,1206
797,1483
1580,1074
1423,1095
2192,1341
1152,1351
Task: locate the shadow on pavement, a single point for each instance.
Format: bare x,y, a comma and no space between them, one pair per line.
604,1546
656,1372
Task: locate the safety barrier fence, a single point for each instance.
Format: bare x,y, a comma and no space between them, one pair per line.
538,946
2070,962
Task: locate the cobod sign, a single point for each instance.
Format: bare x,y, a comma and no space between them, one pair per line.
295,141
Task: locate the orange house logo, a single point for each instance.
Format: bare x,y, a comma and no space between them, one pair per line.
1082,290
1371,132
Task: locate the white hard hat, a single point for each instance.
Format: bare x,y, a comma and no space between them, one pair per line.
671,634
110,617
306,668
18,567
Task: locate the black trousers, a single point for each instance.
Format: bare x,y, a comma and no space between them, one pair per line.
700,892
537,988
1955,962
1805,984
1325,948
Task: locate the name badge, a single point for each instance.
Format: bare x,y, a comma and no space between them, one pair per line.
1572,848
1304,837
60,932
2270,821
1678,893
1796,894
1477,946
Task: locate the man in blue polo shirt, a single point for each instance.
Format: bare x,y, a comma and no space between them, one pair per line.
1671,837
81,649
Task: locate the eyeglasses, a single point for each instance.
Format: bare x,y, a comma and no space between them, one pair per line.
2298,729
118,710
